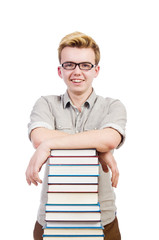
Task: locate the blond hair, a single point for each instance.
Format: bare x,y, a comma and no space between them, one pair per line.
79,40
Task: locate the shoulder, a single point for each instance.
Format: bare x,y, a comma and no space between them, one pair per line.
49,100
110,103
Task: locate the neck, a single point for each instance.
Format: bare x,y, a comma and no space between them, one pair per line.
79,99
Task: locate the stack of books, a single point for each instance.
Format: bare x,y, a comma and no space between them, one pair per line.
72,209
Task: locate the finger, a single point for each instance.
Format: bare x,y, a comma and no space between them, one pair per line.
35,177
114,183
115,177
27,177
114,180
104,166
30,180
34,182
112,167
32,176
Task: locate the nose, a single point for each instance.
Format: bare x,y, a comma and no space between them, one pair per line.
77,70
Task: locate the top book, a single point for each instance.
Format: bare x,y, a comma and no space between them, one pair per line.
73,152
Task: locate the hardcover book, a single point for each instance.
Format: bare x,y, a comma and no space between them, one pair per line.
73,216
72,207
73,231
73,170
73,198
73,187
73,152
72,237
69,224
74,179
73,160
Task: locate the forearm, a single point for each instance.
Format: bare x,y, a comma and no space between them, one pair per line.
103,140
39,135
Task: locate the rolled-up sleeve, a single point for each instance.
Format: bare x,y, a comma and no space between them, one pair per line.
116,118
41,116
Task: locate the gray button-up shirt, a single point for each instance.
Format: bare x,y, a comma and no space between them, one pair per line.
58,112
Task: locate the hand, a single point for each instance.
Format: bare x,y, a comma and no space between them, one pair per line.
38,159
107,160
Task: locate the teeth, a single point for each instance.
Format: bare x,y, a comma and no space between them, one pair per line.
76,81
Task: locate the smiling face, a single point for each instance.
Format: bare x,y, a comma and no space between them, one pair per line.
79,82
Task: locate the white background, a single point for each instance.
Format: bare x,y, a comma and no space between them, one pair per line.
128,35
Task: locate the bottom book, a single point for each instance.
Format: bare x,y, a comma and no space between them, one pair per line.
73,237
72,233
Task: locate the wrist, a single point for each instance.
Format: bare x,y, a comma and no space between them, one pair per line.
45,147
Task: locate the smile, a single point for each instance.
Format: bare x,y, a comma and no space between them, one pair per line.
77,80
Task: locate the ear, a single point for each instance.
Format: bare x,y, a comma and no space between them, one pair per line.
97,68
59,72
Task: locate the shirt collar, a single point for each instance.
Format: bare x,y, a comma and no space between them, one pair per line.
66,99
89,102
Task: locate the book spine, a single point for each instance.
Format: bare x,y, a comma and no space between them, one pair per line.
98,204
73,211
53,175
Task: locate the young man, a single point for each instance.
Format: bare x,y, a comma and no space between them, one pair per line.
78,119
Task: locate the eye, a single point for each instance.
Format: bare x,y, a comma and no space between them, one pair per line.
68,65
86,66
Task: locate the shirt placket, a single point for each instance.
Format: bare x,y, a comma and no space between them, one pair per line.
78,121
79,118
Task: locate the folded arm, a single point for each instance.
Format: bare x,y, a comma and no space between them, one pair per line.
103,140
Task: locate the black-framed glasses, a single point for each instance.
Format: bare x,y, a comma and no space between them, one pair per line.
72,65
